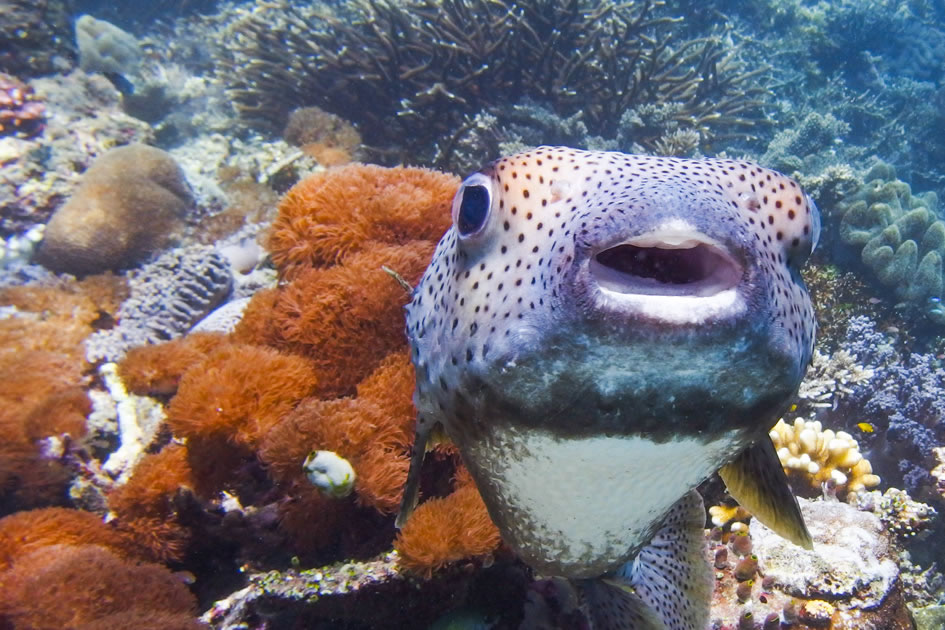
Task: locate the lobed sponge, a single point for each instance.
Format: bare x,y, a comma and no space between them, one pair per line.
816,455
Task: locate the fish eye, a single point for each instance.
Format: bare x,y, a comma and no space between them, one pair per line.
814,223
472,204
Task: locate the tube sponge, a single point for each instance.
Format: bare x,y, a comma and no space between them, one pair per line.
327,217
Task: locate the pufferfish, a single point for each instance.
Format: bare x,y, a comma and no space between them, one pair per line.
601,332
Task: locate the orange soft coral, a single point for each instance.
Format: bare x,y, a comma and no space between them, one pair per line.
144,508
348,317
64,586
25,532
328,216
447,529
255,327
371,431
238,392
156,370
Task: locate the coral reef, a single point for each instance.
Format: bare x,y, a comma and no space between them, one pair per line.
849,581
358,302
816,456
904,402
902,517
103,225
50,588
852,562
35,37
167,298
21,113
434,73
42,384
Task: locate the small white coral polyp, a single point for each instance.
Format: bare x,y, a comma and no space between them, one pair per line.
822,456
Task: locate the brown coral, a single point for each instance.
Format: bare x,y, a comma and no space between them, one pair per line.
238,392
346,318
51,588
127,205
157,370
372,431
144,508
447,529
41,388
25,532
327,217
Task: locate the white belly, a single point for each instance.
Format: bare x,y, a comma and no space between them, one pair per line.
579,507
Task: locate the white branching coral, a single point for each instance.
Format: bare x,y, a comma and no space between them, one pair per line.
831,377
821,456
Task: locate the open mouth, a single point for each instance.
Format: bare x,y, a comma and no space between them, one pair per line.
667,265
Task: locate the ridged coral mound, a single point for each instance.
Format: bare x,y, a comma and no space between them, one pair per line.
126,206
901,235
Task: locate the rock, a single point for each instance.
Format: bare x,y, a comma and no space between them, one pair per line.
852,566
103,47
127,205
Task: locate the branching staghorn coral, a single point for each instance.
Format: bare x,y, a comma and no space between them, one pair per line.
412,74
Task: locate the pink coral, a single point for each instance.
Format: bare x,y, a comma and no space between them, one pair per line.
21,113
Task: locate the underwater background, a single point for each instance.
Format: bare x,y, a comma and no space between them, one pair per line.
205,209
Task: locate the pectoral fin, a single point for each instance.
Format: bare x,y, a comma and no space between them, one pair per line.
668,585
757,481
412,487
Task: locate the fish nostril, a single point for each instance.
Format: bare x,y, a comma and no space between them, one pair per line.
668,266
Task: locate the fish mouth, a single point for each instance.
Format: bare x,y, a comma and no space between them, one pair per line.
683,264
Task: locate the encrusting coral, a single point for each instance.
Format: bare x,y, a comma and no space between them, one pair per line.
815,456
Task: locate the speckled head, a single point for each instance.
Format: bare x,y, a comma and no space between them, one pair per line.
600,332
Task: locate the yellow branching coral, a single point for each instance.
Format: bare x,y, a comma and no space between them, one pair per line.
816,455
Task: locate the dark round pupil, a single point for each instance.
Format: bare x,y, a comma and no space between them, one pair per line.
473,209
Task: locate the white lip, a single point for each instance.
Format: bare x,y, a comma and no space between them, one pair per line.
676,274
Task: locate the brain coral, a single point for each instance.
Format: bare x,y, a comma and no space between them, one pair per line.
126,206
901,235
